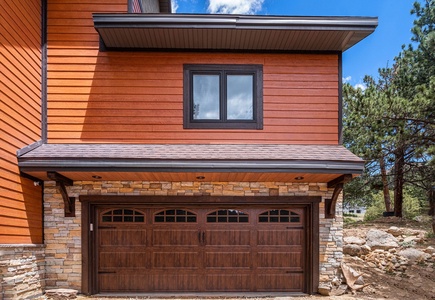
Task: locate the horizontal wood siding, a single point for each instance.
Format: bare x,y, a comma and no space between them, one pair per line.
20,119
137,97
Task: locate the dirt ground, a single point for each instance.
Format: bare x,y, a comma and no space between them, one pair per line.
417,282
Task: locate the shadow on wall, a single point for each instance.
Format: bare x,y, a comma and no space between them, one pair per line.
32,199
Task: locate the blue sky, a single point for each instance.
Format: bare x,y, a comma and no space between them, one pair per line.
376,51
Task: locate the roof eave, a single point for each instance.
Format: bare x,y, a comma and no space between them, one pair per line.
352,29
129,165
126,20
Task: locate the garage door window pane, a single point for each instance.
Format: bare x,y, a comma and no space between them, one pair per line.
123,216
175,216
227,216
279,216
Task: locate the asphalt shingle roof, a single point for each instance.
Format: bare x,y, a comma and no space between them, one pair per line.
193,152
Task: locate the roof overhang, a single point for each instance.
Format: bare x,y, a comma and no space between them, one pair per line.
231,32
82,161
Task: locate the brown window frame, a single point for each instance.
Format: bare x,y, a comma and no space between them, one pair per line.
137,216
166,218
223,123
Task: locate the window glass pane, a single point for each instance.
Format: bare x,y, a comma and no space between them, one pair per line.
240,97
206,97
244,219
139,219
159,219
263,219
107,219
170,212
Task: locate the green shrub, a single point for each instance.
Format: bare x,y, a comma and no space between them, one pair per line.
375,210
411,206
350,215
349,221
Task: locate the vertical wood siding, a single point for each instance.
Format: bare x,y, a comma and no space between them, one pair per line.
20,118
137,97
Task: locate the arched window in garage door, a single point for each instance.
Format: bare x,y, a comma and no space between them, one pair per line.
227,216
123,215
279,216
174,216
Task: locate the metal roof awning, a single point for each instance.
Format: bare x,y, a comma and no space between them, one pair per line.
231,32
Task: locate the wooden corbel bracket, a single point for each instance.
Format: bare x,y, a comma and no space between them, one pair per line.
337,184
62,182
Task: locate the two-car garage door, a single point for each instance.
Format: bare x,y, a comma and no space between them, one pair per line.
200,249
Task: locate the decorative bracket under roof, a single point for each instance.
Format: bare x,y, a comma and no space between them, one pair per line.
62,182
337,184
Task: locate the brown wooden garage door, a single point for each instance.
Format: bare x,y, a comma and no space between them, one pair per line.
197,249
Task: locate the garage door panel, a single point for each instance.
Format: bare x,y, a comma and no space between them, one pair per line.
228,237
176,282
228,260
281,260
125,237
228,282
175,237
124,282
280,282
175,260
198,249
278,237
124,259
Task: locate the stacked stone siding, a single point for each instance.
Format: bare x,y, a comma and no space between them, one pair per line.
22,271
63,234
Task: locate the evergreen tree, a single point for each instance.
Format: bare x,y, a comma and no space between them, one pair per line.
391,123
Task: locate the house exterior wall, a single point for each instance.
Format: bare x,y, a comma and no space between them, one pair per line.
22,269
21,252
137,97
20,119
63,235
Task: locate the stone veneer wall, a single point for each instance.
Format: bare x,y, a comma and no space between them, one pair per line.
63,235
22,271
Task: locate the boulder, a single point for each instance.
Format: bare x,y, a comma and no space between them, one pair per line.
352,249
395,231
61,294
414,254
354,240
378,239
410,239
365,249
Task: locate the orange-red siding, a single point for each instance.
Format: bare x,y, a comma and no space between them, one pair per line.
20,119
137,97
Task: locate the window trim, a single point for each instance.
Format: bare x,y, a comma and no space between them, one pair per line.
255,70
